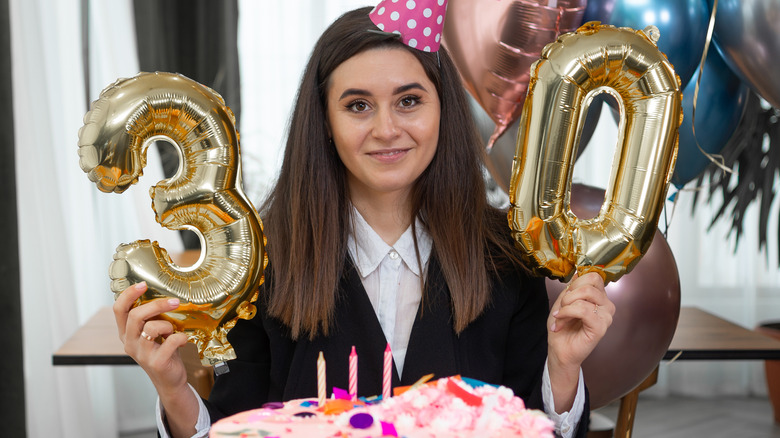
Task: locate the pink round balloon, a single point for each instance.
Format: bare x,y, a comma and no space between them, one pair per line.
647,302
493,43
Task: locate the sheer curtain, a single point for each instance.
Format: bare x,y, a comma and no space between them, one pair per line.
67,229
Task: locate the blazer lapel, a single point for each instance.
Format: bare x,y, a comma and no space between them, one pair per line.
367,328
432,344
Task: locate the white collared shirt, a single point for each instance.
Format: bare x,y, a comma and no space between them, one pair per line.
391,277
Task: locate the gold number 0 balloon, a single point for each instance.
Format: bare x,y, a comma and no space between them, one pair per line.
205,196
595,59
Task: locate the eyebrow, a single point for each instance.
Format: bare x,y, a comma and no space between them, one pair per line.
401,89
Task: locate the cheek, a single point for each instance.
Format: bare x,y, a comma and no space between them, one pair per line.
431,130
341,133
435,122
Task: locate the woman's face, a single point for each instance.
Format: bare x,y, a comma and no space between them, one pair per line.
383,115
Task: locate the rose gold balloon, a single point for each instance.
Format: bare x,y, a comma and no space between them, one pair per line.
494,43
647,302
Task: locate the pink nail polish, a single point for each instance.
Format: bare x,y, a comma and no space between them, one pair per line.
140,286
173,302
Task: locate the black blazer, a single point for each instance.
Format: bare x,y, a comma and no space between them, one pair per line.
506,345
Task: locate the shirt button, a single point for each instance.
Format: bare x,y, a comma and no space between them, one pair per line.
394,255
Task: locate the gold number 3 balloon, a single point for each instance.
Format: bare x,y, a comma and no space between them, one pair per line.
579,65
205,196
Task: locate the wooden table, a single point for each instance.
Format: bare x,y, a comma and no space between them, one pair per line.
703,336
97,343
700,336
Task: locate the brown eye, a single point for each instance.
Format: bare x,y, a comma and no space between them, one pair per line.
358,106
409,101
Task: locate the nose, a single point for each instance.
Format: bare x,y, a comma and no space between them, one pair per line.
385,125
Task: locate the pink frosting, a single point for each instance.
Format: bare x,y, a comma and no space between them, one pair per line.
438,409
444,408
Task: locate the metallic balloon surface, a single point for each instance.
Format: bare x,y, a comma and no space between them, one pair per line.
499,161
494,43
719,107
682,23
747,34
204,196
595,59
647,302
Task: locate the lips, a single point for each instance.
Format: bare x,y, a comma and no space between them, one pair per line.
389,155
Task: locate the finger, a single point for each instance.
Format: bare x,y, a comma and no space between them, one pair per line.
123,303
592,288
586,313
591,278
172,343
585,287
152,334
583,292
157,328
139,316
169,348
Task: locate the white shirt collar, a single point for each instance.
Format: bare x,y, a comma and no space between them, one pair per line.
368,250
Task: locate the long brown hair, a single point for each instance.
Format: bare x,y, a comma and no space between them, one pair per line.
307,214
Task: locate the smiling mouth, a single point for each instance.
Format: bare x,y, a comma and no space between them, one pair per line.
389,154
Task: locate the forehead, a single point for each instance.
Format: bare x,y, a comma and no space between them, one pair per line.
379,68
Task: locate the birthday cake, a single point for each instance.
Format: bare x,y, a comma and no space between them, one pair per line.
449,407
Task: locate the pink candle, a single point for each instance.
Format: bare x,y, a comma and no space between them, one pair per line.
387,370
321,385
353,374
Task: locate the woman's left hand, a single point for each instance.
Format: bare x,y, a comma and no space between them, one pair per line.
578,320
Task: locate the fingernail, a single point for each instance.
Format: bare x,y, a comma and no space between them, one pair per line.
173,302
140,286
552,327
555,313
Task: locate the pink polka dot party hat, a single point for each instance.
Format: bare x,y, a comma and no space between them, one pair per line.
419,22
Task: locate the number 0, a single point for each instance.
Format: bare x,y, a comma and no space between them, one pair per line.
594,59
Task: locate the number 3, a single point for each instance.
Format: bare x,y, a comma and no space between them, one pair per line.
205,196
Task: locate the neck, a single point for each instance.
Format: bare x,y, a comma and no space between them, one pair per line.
387,214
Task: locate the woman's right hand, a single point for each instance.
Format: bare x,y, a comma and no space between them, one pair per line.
152,343
140,328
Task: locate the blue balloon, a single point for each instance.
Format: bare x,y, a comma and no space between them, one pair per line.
682,24
599,10
721,102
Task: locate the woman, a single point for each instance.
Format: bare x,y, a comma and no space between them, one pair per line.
379,231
